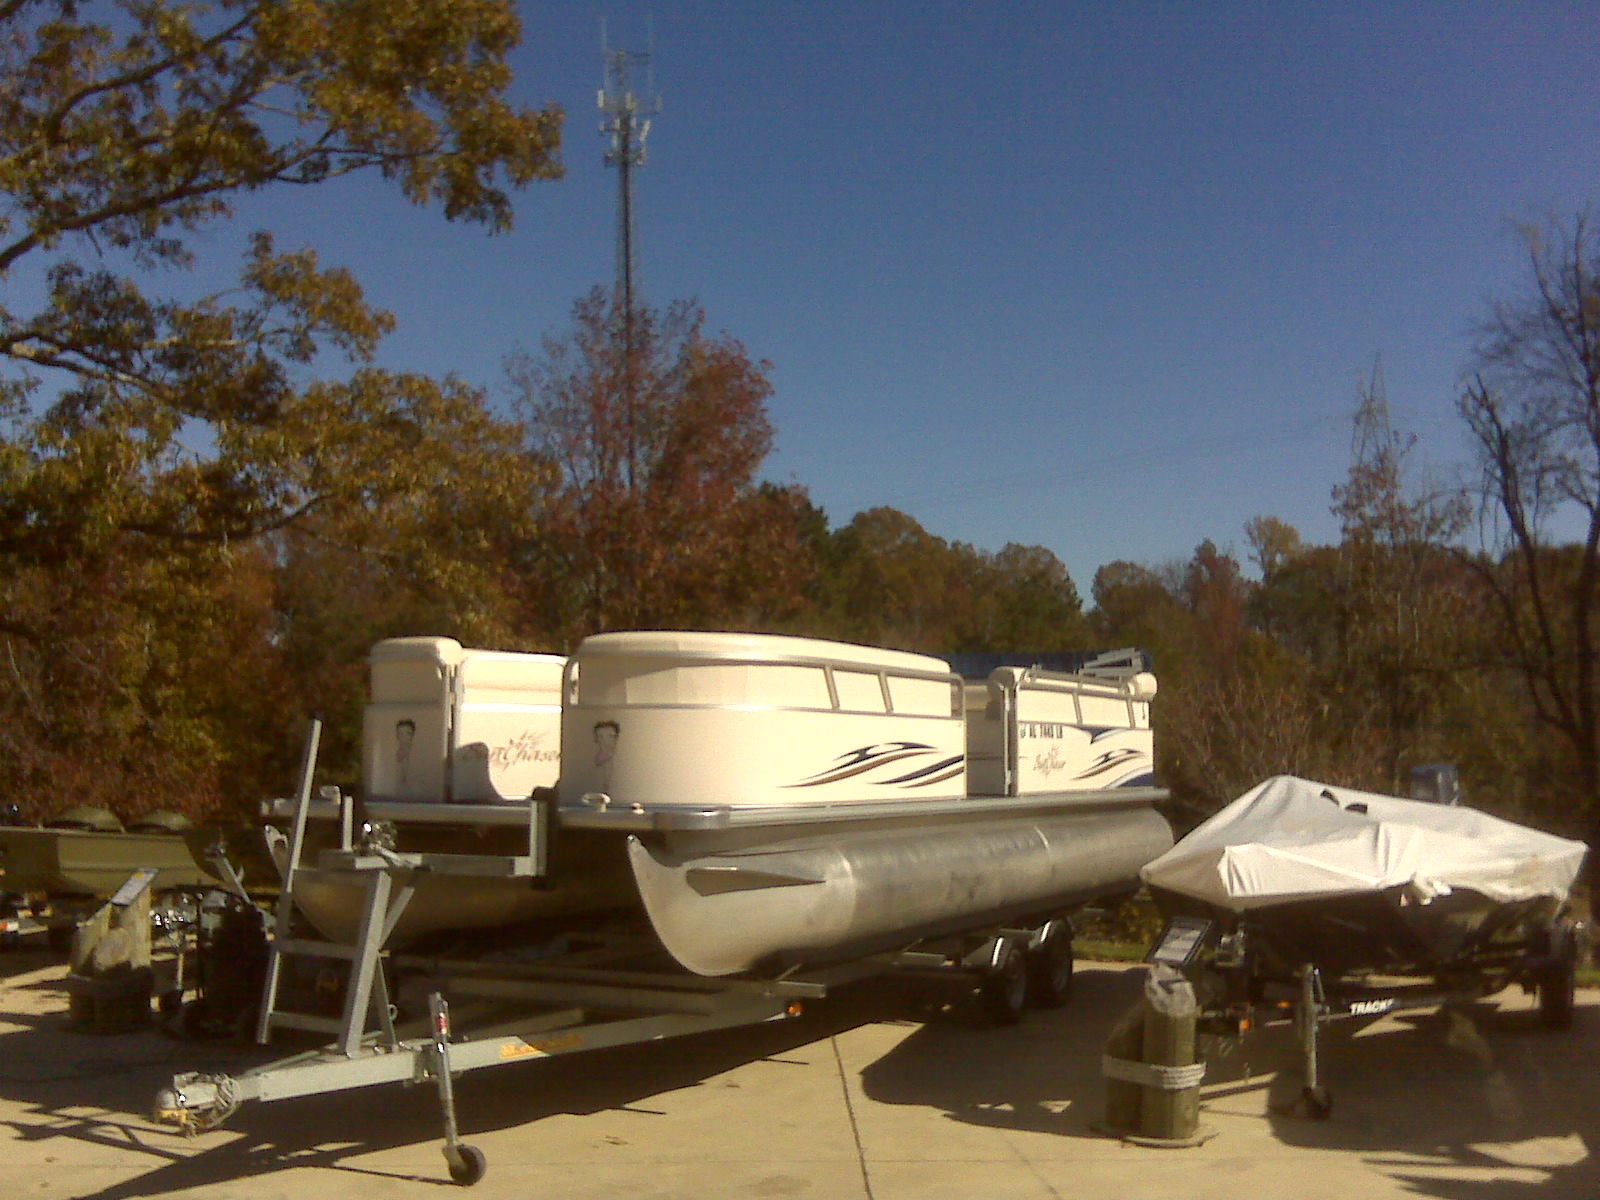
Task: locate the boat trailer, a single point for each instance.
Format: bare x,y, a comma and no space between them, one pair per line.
573,993
1234,1001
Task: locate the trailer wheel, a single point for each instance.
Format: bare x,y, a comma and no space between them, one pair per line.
1050,968
1558,984
1003,994
467,1163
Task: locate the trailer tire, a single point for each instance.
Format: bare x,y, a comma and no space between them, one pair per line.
1050,967
467,1163
1003,994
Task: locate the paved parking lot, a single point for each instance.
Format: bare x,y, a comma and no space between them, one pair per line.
851,1101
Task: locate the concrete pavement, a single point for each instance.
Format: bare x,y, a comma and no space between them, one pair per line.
853,1101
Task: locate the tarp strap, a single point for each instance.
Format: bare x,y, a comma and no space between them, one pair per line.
1153,1075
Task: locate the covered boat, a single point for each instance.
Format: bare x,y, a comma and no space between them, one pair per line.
789,800
1350,880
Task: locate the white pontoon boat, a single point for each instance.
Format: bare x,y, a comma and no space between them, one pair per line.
772,800
789,800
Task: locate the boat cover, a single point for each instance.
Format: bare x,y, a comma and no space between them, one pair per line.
1295,839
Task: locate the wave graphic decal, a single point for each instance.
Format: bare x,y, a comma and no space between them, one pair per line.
882,754
935,774
1109,761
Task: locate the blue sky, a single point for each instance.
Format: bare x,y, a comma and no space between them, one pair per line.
1101,277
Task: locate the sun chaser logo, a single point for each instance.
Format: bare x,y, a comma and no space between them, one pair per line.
526,747
1048,762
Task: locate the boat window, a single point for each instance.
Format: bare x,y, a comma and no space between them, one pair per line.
760,685
508,673
1103,710
859,691
920,697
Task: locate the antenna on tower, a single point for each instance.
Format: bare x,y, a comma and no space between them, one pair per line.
626,123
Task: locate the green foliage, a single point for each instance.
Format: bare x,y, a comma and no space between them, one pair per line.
148,443
885,580
122,133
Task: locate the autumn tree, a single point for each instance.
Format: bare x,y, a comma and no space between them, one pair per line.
656,429
1398,591
146,434
1532,406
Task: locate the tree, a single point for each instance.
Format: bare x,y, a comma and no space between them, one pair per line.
148,438
655,429
1026,601
1398,588
1532,406
123,134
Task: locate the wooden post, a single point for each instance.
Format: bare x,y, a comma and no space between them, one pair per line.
110,981
1122,1098
1170,1009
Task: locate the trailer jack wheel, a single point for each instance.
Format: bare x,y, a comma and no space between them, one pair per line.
1557,987
467,1163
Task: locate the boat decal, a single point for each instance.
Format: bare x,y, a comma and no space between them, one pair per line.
1109,761
940,770
880,754
1148,779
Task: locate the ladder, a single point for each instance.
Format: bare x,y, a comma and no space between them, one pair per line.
388,881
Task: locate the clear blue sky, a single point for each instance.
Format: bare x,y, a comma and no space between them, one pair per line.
1102,277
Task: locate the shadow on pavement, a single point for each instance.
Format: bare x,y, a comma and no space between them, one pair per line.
96,1089
1435,1103
1424,1099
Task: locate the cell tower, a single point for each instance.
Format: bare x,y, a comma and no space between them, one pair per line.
626,124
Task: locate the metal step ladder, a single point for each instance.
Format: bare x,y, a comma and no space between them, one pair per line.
388,880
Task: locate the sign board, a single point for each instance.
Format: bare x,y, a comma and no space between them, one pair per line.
1179,942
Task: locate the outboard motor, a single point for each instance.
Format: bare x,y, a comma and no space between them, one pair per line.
1436,783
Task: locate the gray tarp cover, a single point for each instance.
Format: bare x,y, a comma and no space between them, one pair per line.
1289,839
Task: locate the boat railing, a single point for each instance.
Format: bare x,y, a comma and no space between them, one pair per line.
572,685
